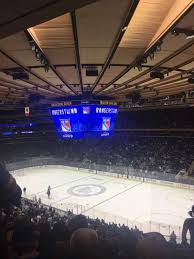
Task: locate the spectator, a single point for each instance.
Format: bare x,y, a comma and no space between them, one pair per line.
83,243
25,243
172,238
188,226
24,190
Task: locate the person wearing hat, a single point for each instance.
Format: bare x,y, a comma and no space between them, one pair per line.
189,226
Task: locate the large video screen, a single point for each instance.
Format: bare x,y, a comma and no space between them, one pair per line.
81,121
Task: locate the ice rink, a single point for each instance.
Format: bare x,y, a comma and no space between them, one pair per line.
152,207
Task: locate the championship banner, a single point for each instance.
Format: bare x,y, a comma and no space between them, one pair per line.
27,111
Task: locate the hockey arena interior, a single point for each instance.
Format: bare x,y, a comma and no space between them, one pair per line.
97,129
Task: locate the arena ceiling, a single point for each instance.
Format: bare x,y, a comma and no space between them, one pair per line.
125,44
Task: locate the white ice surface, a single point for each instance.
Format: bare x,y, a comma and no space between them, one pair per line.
123,200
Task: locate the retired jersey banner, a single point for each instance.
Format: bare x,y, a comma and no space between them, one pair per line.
27,111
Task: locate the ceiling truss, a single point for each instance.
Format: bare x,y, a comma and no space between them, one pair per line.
104,36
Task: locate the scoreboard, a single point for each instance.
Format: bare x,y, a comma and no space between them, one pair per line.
79,121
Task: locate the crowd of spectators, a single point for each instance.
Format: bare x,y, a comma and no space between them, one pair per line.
161,155
34,231
156,119
146,154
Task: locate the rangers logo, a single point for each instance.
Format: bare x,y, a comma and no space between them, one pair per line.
65,125
106,124
86,110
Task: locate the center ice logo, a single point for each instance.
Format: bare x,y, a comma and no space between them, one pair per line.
86,190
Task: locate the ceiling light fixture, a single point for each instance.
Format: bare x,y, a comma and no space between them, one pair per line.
38,53
156,74
33,45
124,28
151,55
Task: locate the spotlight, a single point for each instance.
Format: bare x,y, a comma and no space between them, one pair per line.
139,66
44,62
151,55
144,61
159,46
38,55
124,28
175,32
46,67
42,59
156,74
33,46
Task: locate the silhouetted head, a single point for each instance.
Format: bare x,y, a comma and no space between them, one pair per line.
79,221
10,192
83,243
191,212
